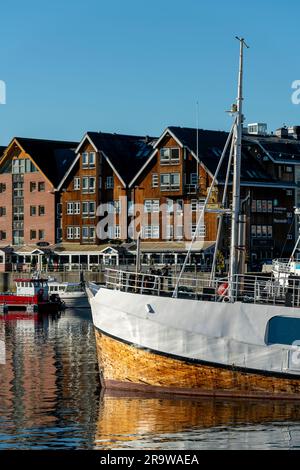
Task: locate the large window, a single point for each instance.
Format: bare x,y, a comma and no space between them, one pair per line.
261,231
201,232
169,156
170,181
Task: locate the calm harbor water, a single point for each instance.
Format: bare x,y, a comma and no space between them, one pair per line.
50,398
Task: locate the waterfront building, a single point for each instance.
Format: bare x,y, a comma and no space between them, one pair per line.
30,171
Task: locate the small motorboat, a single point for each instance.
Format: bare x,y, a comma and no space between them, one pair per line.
32,295
73,294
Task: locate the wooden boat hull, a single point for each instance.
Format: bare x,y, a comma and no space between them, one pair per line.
130,367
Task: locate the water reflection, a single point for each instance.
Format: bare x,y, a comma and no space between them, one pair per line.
141,421
49,387
50,398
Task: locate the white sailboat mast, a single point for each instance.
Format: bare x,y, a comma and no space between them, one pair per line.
233,262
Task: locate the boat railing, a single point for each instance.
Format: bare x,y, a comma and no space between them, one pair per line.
282,266
245,288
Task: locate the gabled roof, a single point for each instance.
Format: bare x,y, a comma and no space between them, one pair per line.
210,148
127,153
52,157
124,153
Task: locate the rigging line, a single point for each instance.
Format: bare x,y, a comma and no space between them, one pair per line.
174,295
291,225
213,270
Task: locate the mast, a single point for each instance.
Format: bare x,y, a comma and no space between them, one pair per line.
233,261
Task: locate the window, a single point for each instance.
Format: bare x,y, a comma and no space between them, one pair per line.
151,231
117,208
253,231
32,234
270,231
32,186
70,233
109,182
92,159
2,187
194,205
179,232
270,206
76,232
179,206
41,234
170,208
2,211
2,235
264,231
41,210
88,184
130,207
88,209
289,192
169,232
41,186
88,232
59,209
18,166
264,206
85,159
169,156
32,210
76,184
253,205
170,181
154,180
100,182
289,169
200,232
76,206
69,208
114,232
194,179
258,231
73,208
151,205
290,237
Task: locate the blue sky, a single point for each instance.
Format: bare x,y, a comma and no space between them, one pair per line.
138,66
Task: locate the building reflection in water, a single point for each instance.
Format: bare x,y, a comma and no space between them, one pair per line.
49,385
141,421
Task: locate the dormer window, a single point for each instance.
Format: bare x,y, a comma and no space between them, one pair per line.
169,156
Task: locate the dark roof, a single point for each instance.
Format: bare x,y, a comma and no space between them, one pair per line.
127,153
53,157
211,145
2,150
287,150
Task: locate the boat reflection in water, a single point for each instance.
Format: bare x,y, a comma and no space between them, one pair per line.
159,422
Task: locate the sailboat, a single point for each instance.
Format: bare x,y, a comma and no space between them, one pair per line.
238,336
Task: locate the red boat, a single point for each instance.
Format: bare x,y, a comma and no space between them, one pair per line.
32,295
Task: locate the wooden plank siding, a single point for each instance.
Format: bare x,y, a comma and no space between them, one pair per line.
187,164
